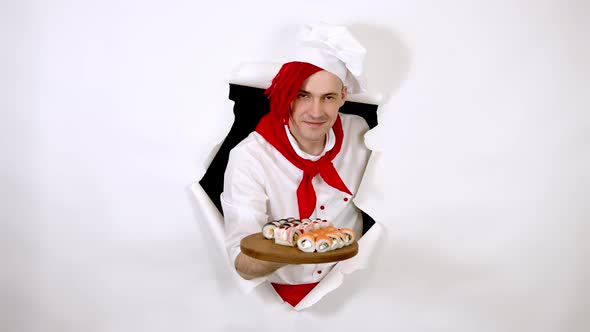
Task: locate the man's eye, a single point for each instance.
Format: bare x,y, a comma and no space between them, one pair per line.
302,96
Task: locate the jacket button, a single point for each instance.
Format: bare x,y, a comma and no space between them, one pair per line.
319,271
322,207
346,199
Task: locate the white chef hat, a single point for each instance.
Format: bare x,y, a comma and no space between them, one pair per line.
334,49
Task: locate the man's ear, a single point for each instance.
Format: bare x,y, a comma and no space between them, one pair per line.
344,95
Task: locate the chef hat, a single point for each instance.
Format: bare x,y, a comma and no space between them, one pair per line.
334,49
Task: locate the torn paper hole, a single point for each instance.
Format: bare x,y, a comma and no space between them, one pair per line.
255,77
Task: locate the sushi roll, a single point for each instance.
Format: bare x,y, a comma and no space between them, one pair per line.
306,242
306,227
336,240
325,224
268,230
320,232
349,235
323,243
329,229
343,241
316,225
280,234
286,236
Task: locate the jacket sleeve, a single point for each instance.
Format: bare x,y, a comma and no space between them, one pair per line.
244,203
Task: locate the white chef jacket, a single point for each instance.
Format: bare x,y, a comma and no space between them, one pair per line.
261,185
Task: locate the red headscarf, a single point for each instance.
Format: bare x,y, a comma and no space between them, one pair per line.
281,92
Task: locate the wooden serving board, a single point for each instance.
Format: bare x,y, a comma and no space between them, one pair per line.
258,247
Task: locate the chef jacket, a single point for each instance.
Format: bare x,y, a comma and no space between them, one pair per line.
261,185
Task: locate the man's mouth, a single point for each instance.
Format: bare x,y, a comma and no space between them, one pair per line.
314,123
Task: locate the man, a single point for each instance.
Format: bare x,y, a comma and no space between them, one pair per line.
304,160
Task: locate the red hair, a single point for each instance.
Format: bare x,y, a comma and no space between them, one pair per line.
285,86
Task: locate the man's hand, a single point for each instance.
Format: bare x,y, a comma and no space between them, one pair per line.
250,268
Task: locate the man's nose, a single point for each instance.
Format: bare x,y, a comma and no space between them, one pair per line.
316,108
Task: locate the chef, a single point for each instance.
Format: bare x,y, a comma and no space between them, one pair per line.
304,160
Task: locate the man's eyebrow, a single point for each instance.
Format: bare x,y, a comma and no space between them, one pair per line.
301,91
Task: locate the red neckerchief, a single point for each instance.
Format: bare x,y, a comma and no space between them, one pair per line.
272,129
293,294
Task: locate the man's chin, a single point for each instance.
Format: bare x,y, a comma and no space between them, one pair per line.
315,137
315,127
316,133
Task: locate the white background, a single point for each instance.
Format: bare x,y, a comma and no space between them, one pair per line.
109,110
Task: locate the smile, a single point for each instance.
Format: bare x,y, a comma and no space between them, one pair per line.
314,124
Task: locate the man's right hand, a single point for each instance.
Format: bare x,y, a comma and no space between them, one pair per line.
250,268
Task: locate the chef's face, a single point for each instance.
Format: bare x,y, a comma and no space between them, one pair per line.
315,109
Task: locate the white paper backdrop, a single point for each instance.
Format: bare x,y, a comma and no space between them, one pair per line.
109,110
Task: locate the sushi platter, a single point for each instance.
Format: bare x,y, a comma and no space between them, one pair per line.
258,247
295,241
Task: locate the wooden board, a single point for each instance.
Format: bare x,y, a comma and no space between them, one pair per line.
257,246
